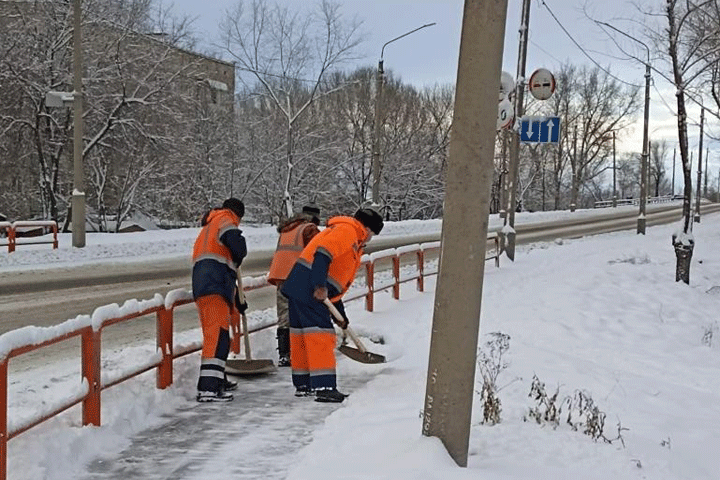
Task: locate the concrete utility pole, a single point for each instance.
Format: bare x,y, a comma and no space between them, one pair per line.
645,158
515,137
641,221
707,155
456,319
698,190
379,83
614,170
78,194
673,176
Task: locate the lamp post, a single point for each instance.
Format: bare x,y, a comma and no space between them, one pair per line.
378,117
646,148
672,191
699,170
614,204
641,221
78,194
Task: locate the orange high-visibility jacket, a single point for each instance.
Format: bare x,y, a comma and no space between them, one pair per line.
218,251
343,242
290,244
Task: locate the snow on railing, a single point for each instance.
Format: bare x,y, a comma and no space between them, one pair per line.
90,327
13,228
633,201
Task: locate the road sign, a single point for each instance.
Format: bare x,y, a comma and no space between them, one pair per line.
542,84
505,114
540,129
507,85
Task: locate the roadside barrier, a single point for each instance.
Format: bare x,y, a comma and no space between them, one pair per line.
633,201
90,328
12,233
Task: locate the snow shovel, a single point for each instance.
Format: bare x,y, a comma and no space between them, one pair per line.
247,366
359,354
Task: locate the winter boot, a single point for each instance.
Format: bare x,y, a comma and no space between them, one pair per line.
229,385
283,339
329,395
219,396
304,392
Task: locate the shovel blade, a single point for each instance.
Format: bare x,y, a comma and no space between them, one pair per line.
362,357
241,367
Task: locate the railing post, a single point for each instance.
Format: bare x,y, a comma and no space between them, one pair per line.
165,345
3,418
396,274
11,239
421,270
55,240
370,281
235,331
91,372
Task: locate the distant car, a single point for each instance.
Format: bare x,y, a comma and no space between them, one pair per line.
678,197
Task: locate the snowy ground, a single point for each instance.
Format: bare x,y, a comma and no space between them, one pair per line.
602,316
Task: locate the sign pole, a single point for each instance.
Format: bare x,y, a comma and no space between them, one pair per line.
509,227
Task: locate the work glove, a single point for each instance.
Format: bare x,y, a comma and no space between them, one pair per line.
241,306
343,324
320,293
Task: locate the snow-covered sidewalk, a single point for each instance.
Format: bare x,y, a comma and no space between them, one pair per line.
600,316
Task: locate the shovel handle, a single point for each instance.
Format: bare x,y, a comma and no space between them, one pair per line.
246,337
349,331
243,317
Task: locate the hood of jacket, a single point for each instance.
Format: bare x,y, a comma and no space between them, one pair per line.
293,222
218,212
354,223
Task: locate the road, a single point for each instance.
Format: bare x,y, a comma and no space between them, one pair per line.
52,296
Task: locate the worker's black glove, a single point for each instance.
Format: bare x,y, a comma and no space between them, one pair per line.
241,306
343,324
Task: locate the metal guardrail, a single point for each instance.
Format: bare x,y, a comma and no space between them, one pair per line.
16,343
633,201
12,233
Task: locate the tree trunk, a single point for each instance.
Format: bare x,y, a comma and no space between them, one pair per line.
683,243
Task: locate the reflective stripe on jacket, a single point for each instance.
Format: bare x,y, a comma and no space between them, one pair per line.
290,244
217,254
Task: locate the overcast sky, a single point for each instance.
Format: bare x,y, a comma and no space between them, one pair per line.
560,31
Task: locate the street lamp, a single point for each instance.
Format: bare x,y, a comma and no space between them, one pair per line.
378,117
78,194
641,221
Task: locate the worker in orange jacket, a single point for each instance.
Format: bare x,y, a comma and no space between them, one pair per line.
325,269
217,254
295,233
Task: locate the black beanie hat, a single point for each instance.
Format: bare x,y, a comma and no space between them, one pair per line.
311,210
370,218
235,205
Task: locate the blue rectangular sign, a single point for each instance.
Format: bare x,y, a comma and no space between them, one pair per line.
540,129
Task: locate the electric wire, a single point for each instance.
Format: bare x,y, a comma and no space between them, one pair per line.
552,14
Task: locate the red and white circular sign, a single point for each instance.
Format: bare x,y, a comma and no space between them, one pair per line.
542,84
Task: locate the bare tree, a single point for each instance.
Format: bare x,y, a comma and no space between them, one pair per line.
139,90
686,66
592,104
601,107
658,155
290,55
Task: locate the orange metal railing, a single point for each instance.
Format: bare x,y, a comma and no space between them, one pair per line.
12,233
13,344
